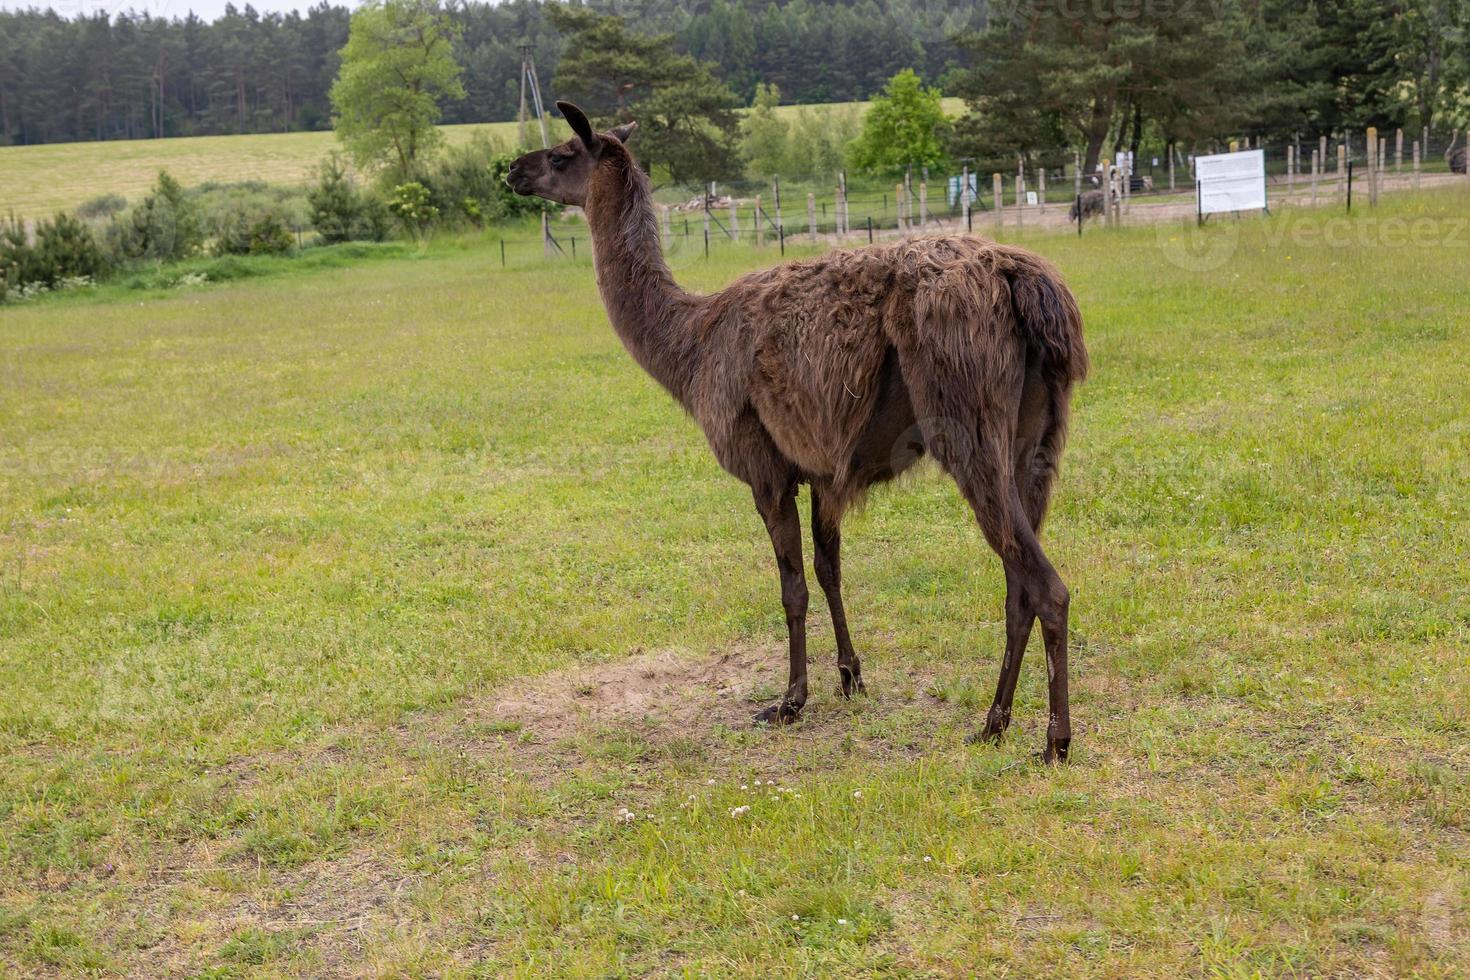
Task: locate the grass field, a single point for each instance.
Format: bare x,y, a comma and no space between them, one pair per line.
36,181
346,615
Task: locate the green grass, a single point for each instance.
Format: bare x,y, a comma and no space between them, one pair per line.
280,561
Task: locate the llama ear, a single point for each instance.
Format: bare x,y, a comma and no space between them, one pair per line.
577,119
621,133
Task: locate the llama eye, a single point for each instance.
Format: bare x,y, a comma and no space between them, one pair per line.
558,162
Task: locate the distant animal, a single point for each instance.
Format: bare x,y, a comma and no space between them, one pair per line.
1091,204
1456,157
839,372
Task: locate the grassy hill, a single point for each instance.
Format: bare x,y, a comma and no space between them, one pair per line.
38,180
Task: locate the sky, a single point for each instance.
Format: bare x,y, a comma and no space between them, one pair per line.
206,9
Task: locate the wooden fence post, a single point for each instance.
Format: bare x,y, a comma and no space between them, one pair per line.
1342,170
1076,174
999,192
811,214
1416,165
1370,143
1020,201
1170,149
1316,174
923,203
965,196
1041,188
1398,150
780,222
1290,167
898,207
843,205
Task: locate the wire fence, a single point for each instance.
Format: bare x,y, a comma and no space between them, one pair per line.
814,210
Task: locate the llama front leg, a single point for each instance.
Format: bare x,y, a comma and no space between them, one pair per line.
827,542
779,512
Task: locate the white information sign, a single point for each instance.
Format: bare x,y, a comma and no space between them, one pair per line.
1231,181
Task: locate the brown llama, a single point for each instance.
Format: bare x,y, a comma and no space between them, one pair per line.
839,372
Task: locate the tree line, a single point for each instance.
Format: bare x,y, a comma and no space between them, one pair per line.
134,76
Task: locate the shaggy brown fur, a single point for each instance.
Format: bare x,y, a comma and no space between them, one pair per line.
840,372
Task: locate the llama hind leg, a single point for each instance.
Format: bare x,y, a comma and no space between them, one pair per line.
778,510
1034,591
827,541
1020,617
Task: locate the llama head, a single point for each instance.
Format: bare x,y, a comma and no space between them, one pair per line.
562,173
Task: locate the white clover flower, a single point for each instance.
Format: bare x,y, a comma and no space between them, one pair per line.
842,922
857,794
739,811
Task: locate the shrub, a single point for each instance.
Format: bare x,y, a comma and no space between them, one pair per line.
412,204
336,206
164,227
468,186
66,249
248,231
340,212
100,207
374,222
63,255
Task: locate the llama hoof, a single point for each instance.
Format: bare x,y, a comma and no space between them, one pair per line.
996,724
777,714
989,735
1056,751
852,683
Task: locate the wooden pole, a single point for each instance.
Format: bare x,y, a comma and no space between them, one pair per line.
1290,167
1040,188
908,197
1416,165
1316,174
1398,150
780,224
899,223
1076,173
923,203
1341,169
965,196
999,192
1020,200
846,208
811,214
1370,144
1171,150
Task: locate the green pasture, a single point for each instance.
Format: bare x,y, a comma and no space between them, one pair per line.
382,618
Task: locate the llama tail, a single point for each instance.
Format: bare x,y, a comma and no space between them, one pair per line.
1047,315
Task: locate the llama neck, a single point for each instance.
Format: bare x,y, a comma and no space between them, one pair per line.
649,311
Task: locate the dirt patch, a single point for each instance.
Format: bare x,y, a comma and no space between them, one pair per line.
671,707
666,691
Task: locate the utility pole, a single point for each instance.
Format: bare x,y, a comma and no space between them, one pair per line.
528,81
